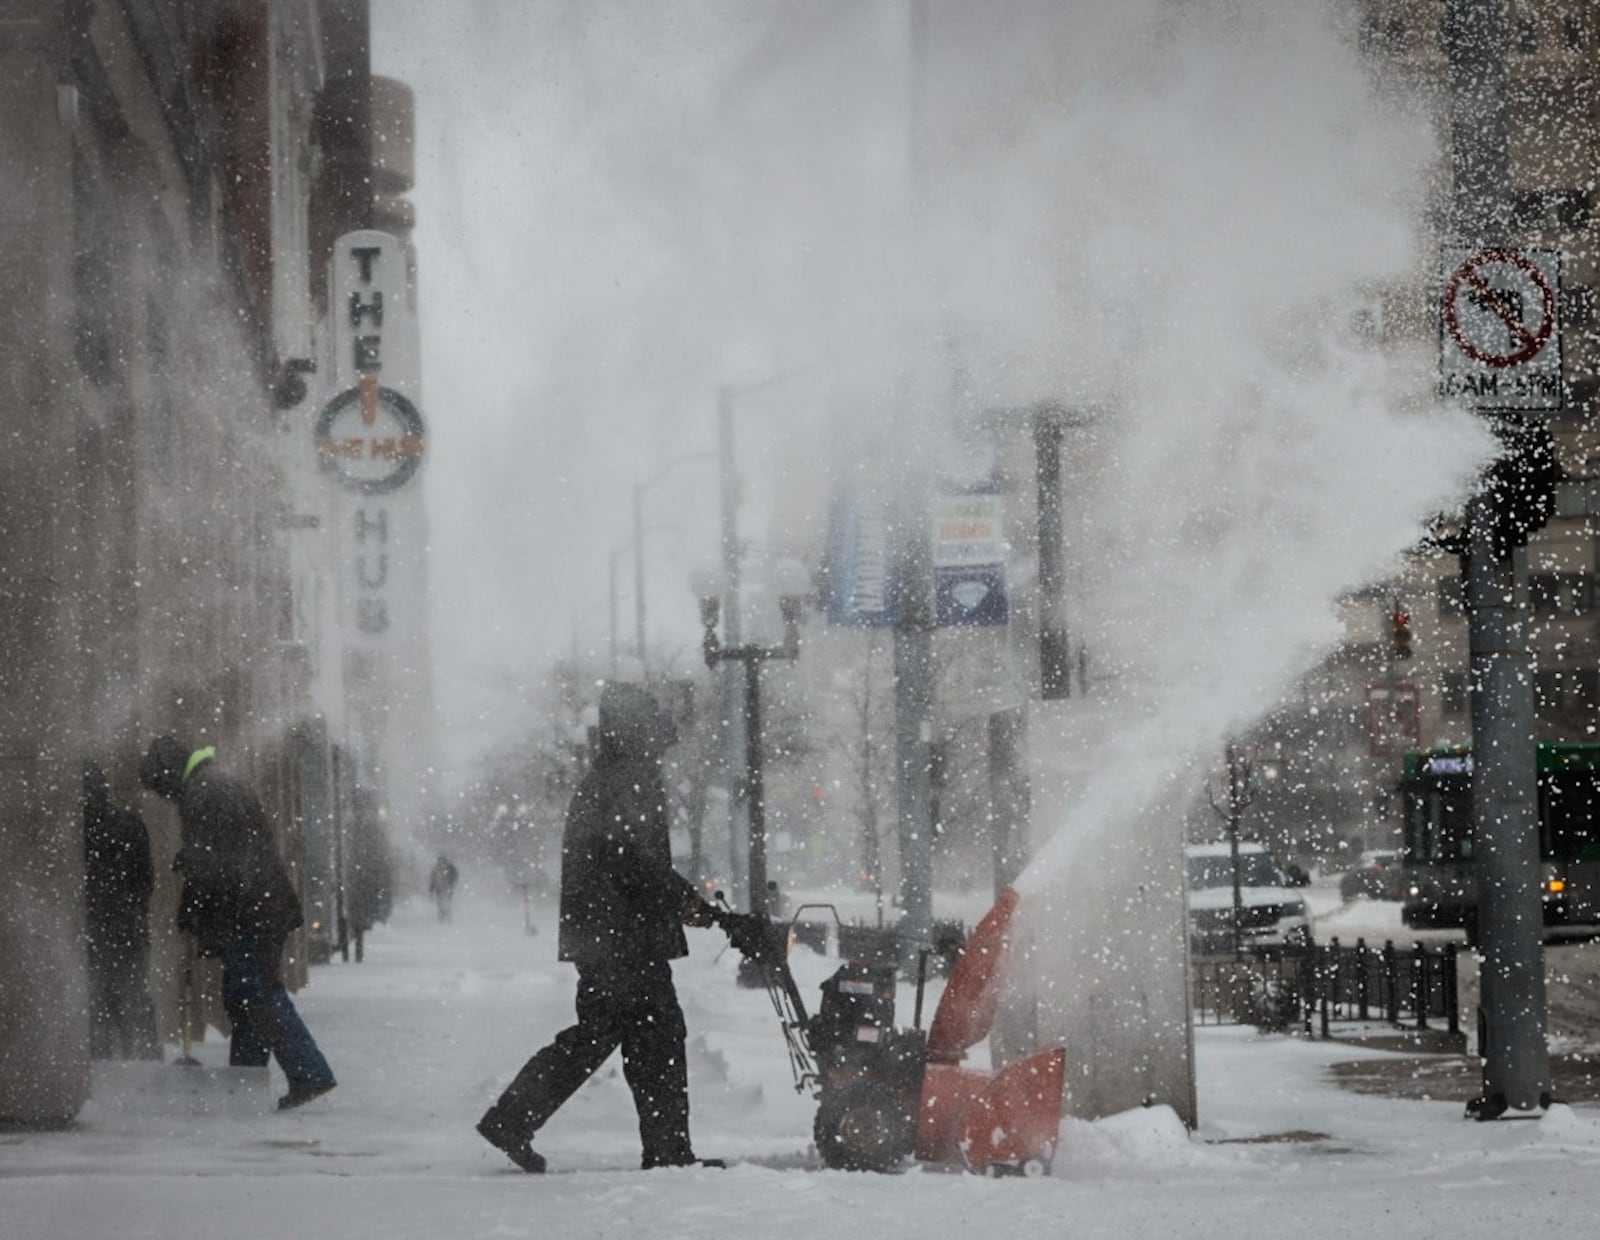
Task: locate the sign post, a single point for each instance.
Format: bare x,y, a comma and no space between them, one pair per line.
1499,355
1499,345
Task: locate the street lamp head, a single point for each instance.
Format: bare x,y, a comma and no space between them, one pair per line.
789,578
707,580
790,607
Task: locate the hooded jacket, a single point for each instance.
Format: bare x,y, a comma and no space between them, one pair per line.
622,904
234,883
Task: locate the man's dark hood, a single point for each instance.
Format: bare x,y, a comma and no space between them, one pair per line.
163,766
632,723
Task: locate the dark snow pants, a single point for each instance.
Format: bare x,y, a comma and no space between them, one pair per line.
635,1008
264,1018
122,1020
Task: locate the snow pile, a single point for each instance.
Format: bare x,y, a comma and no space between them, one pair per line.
1134,1144
391,1155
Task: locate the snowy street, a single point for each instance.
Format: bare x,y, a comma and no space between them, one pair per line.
426,1032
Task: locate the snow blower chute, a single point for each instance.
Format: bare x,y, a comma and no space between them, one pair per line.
885,1093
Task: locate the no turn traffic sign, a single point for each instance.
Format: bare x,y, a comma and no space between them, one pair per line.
1500,343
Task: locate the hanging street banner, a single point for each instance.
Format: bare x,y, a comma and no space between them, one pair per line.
969,560
863,585
1499,328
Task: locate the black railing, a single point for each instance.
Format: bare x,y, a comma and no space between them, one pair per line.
1318,986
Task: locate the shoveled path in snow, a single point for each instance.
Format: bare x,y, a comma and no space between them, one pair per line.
428,1029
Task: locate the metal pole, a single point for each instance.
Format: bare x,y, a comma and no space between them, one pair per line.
1511,1018
1010,794
1236,794
755,783
913,697
733,712
913,636
638,577
613,648
1055,672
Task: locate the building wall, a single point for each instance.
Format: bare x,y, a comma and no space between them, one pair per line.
157,157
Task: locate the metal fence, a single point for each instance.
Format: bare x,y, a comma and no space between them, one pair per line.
1317,986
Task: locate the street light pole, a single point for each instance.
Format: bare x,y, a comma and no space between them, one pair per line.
733,711
639,489
753,656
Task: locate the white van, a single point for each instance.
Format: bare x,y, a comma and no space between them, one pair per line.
1272,911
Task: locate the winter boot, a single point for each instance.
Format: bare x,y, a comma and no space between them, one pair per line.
299,1097
519,1149
650,1162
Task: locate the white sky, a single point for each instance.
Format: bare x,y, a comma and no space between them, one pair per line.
614,219
626,203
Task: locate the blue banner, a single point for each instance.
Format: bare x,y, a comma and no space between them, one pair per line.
863,582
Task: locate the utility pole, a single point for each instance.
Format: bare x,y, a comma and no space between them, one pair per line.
913,698
733,686
1055,667
913,627
1511,1015
638,577
612,648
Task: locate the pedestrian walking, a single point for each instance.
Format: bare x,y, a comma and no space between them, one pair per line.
240,905
442,885
117,881
623,909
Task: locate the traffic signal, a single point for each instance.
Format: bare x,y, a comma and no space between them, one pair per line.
1400,633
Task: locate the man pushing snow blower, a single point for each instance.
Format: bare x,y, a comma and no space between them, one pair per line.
623,909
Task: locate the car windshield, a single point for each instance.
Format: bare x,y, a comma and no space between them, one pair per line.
1256,869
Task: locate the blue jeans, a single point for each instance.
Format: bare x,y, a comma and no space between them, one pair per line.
264,1017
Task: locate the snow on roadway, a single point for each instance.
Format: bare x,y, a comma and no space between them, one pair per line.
425,1033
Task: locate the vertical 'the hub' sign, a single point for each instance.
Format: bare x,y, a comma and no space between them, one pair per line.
370,434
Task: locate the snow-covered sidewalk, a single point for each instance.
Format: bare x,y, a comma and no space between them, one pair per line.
425,1033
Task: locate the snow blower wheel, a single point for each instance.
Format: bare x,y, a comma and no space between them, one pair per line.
864,1127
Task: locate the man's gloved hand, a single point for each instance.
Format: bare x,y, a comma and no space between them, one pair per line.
697,912
750,933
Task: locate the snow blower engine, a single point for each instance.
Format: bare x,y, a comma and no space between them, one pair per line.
884,1094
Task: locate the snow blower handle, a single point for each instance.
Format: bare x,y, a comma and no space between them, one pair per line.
751,934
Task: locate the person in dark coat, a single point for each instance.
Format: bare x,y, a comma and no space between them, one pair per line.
239,903
442,885
118,879
623,909
367,871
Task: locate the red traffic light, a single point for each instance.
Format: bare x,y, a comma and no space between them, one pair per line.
1400,634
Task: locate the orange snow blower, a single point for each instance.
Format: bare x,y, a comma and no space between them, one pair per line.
885,1093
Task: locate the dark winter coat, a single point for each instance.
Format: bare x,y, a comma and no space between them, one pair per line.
117,874
622,904
235,885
